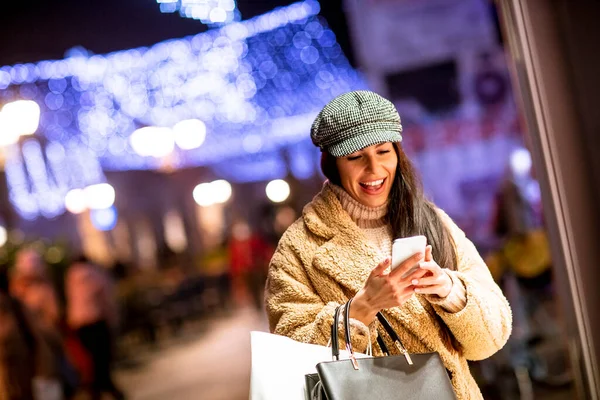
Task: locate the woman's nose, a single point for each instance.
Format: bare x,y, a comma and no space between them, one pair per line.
371,164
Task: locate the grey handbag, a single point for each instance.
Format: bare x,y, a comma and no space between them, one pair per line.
406,376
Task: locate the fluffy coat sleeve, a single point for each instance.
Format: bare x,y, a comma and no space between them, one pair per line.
483,326
296,310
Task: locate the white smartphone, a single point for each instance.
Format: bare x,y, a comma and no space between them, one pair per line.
404,248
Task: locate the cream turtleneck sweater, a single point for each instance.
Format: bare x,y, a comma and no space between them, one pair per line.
371,220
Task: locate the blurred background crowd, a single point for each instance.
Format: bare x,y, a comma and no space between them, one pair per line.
145,178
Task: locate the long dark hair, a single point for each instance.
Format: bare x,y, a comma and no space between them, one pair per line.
409,212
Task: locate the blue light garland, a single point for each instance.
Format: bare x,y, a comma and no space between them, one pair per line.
209,12
264,78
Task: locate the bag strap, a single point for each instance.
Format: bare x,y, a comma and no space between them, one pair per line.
382,320
335,347
382,346
395,338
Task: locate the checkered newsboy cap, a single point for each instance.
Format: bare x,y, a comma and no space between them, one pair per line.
355,120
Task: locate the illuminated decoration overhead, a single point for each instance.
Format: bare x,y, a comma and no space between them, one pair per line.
40,178
152,141
189,134
209,12
255,85
20,117
7,136
278,190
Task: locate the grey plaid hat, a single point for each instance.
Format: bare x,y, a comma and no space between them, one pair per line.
353,121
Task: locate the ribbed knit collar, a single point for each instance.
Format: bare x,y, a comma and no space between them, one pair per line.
363,216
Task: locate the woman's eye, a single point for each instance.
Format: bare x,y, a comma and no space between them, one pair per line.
352,158
383,151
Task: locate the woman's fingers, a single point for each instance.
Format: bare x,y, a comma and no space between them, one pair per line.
428,255
434,289
404,268
425,281
431,266
380,268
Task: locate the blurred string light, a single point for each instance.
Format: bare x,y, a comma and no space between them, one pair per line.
104,219
209,12
75,201
216,192
40,180
99,196
278,190
152,141
18,118
189,134
251,87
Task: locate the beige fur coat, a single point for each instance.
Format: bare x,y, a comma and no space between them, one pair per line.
323,259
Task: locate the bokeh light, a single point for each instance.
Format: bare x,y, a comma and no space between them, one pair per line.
216,192
203,195
189,134
3,236
20,117
99,196
8,135
152,141
278,190
75,201
221,191
520,162
104,219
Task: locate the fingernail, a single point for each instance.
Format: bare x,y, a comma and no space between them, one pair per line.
417,290
415,281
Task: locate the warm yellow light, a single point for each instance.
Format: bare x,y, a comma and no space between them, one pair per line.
278,190
216,192
203,195
189,134
152,141
21,117
100,196
3,236
75,201
221,190
8,135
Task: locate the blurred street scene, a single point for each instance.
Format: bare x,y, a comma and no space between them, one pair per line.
151,159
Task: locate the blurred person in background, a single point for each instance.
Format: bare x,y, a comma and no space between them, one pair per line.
341,246
92,314
524,255
27,368
249,255
30,284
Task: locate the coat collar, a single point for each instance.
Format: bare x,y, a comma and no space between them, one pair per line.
348,258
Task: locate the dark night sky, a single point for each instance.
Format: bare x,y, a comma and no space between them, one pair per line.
34,30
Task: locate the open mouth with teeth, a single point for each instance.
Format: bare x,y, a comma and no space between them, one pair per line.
372,186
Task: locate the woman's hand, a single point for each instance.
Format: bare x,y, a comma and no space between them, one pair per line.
435,280
386,289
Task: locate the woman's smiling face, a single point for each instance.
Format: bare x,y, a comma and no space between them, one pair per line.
368,174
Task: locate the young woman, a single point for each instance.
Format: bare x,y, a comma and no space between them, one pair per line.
341,246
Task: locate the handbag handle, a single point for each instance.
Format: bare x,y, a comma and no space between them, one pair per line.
382,320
